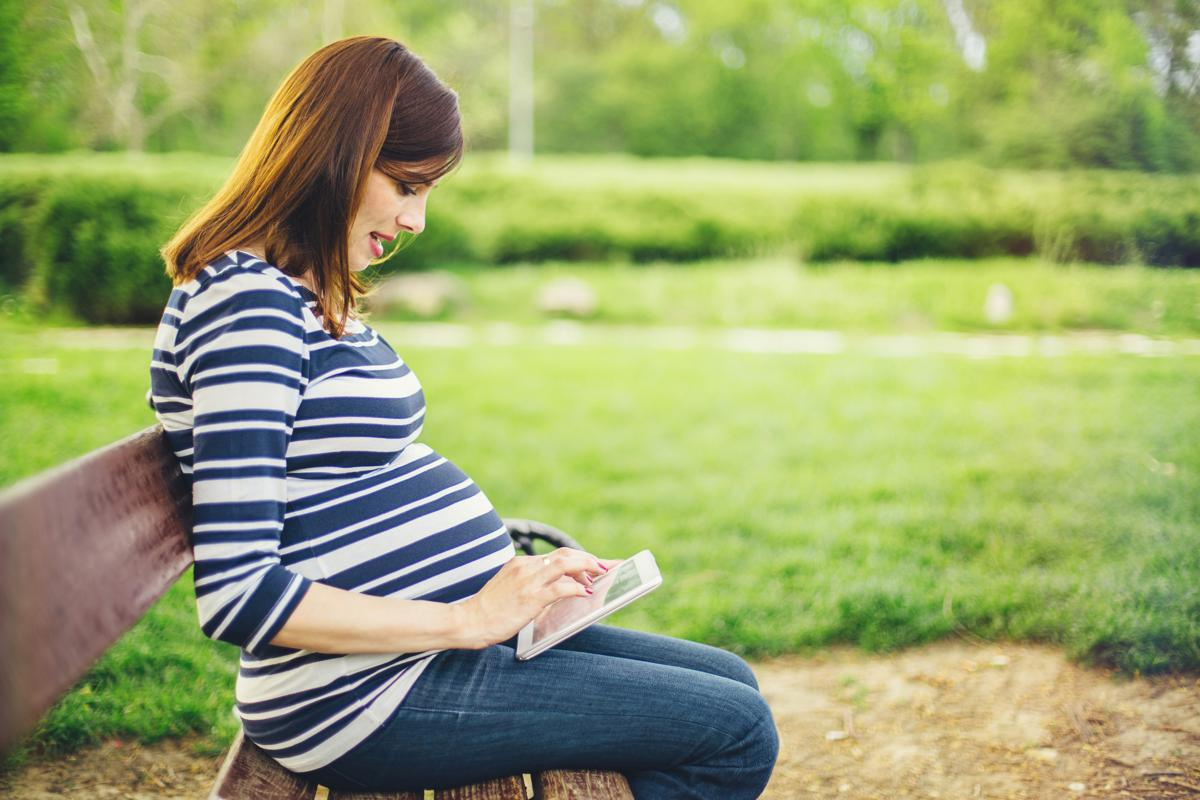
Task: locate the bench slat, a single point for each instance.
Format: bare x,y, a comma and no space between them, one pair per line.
85,550
561,784
510,788
250,774
334,794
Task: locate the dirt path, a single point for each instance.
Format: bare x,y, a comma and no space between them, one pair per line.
958,720
954,720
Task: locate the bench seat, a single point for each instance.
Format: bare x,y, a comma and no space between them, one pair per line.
249,772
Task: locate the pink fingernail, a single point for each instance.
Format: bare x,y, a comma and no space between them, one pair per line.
588,589
604,568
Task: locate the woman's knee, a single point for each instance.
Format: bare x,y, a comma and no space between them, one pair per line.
749,727
765,735
732,666
745,763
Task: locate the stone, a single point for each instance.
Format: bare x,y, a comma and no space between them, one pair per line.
424,294
998,305
571,297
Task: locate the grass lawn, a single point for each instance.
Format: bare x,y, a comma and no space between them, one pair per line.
792,501
915,296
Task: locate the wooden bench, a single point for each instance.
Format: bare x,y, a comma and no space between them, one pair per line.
86,549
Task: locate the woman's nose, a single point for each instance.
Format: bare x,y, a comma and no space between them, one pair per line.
412,217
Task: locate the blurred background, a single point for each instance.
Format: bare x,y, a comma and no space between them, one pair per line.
876,321
1076,83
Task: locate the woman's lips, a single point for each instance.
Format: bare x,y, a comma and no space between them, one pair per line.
377,240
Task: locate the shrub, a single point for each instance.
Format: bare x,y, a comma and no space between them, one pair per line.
1166,238
445,240
96,247
18,200
899,232
554,240
83,231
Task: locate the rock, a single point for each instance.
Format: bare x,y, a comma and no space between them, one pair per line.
998,306
426,294
568,296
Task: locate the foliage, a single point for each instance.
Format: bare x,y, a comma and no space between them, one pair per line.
969,211
13,93
99,261
1081,83
83,234
1036,83
19,196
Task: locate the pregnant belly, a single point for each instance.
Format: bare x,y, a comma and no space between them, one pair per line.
419,529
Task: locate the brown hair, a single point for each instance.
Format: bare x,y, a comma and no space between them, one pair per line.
356,104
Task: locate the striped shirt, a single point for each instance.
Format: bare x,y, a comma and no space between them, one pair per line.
304,464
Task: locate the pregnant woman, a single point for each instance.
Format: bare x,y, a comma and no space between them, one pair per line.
373,590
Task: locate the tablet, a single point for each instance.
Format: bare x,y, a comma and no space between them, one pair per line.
564,618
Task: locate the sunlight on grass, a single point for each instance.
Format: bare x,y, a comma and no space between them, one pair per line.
792,502
915,296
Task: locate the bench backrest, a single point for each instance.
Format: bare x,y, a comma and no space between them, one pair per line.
85,550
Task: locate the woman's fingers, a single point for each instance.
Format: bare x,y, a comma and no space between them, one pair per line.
525,586
580,566
566,586
595,569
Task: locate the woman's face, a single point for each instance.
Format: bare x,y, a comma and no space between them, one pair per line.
388,207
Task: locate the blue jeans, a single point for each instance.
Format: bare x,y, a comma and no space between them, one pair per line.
679,719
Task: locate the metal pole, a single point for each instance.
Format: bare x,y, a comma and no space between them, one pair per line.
331,21
520,82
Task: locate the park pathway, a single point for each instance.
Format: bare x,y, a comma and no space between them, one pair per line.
567,333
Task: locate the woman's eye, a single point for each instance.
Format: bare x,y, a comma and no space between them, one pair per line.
405,188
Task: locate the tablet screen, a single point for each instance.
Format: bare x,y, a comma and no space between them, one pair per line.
607,589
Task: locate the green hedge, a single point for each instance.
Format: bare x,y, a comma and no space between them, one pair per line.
966,211
877,232
82,232
96,251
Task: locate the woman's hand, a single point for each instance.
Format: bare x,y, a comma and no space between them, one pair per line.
523,587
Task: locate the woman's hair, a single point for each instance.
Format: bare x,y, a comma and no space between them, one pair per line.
356,104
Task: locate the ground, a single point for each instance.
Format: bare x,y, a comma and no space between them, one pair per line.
973,720
953,720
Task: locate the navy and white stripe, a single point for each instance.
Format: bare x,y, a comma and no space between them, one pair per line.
305,467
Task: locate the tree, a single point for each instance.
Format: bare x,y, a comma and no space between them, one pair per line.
122,72
13,91
132,67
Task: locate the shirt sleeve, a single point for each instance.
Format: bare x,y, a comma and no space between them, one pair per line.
241,354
